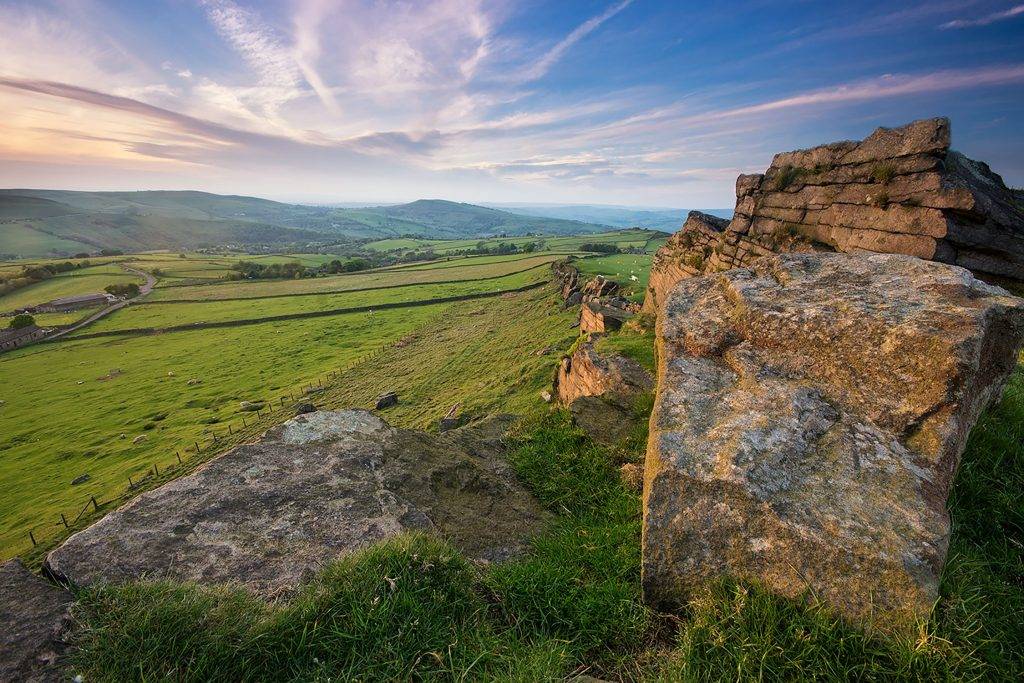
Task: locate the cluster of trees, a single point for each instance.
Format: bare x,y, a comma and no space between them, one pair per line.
250,270
32,274
600,248
128,291
22,320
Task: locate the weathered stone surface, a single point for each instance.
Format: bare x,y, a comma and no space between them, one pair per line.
268,514
34,620
600,391
598,287
900,191
589,373
810,415
598,318
682,256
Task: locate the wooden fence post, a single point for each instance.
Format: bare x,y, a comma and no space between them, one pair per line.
178,455
131,484
65,521
95,506
156,472
32,536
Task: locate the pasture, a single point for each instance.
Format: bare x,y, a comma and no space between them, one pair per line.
66,404
71,283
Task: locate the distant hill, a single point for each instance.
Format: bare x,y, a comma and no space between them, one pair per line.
49,222
667,220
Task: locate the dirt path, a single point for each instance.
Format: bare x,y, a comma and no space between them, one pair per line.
144,289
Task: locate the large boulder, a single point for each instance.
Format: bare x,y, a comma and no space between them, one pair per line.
901,190
810,415
600,391
598,318
35,617
267,515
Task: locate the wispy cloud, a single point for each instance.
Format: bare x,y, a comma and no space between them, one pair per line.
985,20
552,56
281,72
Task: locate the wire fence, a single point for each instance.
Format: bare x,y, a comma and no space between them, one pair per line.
47,533
203,448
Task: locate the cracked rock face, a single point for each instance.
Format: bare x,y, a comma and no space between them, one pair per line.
34,618
267,515
901,190
810,414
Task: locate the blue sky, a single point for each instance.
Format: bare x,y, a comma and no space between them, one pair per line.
609,101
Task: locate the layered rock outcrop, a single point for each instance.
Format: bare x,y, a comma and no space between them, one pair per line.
597,317
267,515
810,414
600,391
34,621
901,190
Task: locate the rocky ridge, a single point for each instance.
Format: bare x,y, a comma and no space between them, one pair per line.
901,190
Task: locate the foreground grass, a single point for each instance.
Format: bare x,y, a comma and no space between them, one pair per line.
413,608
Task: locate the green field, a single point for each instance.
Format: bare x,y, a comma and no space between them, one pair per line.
624,239
97,389
20,238
468,269
622,268
166,314
82,281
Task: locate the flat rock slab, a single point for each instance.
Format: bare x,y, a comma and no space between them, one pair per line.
810,415
268,515
33,620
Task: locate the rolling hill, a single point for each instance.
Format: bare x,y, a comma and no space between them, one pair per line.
668,220
60,222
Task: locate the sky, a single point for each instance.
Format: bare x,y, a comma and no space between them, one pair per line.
628,102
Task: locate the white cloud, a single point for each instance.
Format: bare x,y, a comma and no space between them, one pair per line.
1014,11
552,56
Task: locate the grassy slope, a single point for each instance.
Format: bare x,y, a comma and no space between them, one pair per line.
145,315
435,364
20,238
61,419
413,608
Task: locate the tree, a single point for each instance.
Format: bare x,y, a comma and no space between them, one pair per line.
128,291
22,320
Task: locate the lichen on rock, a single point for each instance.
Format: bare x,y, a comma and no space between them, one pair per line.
810,414
267,515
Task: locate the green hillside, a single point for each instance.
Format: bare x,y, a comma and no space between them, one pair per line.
36,223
